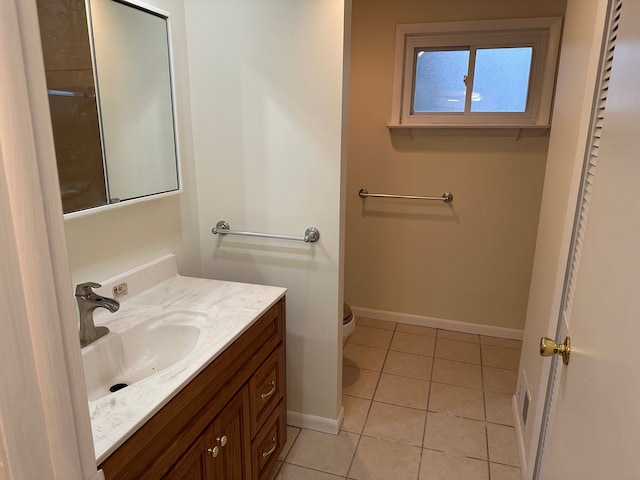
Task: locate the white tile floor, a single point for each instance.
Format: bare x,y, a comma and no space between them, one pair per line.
420,404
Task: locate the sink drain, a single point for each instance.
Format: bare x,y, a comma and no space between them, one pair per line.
118,386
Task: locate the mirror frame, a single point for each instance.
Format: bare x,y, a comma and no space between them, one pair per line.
112,206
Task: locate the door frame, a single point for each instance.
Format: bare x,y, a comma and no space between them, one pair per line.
45,429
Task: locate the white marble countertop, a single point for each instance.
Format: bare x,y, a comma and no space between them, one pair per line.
229,308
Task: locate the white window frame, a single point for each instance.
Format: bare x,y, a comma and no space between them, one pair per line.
543,34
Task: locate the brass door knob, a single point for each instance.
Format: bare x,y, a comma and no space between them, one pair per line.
214,451
549,347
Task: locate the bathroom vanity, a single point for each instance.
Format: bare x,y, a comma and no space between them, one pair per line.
220,412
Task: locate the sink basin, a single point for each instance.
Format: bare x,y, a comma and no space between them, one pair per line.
134,351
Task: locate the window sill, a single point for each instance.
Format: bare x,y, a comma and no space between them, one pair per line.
514,131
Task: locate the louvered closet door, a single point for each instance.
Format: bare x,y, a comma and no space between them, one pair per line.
593,423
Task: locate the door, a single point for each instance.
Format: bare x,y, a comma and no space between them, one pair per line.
594,416
221,452
231,434
195,463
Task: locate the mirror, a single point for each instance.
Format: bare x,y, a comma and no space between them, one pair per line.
111,101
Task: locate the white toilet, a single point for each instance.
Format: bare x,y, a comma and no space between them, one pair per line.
348,322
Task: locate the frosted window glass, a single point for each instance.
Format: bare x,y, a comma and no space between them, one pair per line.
439,82
501,79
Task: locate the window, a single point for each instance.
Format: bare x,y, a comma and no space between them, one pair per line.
497,73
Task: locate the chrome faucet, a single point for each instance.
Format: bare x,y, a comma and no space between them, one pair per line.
88,301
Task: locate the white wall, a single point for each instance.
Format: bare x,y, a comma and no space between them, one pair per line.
574,95
110,242
267,99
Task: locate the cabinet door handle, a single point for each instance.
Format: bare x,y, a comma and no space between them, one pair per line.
270,392
214,451
271,450
222,440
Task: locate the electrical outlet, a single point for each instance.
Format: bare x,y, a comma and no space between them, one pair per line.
120,290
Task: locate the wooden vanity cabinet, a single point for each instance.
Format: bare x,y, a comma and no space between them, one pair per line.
222,450
228,423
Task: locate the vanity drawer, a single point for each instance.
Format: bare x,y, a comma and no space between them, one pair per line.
268,443
266,389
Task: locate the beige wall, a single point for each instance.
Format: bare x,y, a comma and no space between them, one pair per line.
104,244
574,95
469,261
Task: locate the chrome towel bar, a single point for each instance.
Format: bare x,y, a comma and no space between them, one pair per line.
311,234
446,196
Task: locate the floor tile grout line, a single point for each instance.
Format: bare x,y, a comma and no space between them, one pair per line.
374,390
498,346
435,353
447,414
353,457
436,411
456,339
370,406
292,444
455,385
479,342
505,464
426,414
501,368
486,429
409,444
457,454
422,447
409,376
456,361
403,405
426,406
365,345
312,469
411,353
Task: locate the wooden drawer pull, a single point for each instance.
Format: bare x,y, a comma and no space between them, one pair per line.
270,392
271,450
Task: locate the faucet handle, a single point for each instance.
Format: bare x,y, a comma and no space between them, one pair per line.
84,289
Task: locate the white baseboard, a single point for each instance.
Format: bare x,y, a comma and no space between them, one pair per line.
432,322
311,422
519,436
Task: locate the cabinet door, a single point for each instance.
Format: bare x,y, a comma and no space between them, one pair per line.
231,435
221,452
195,463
